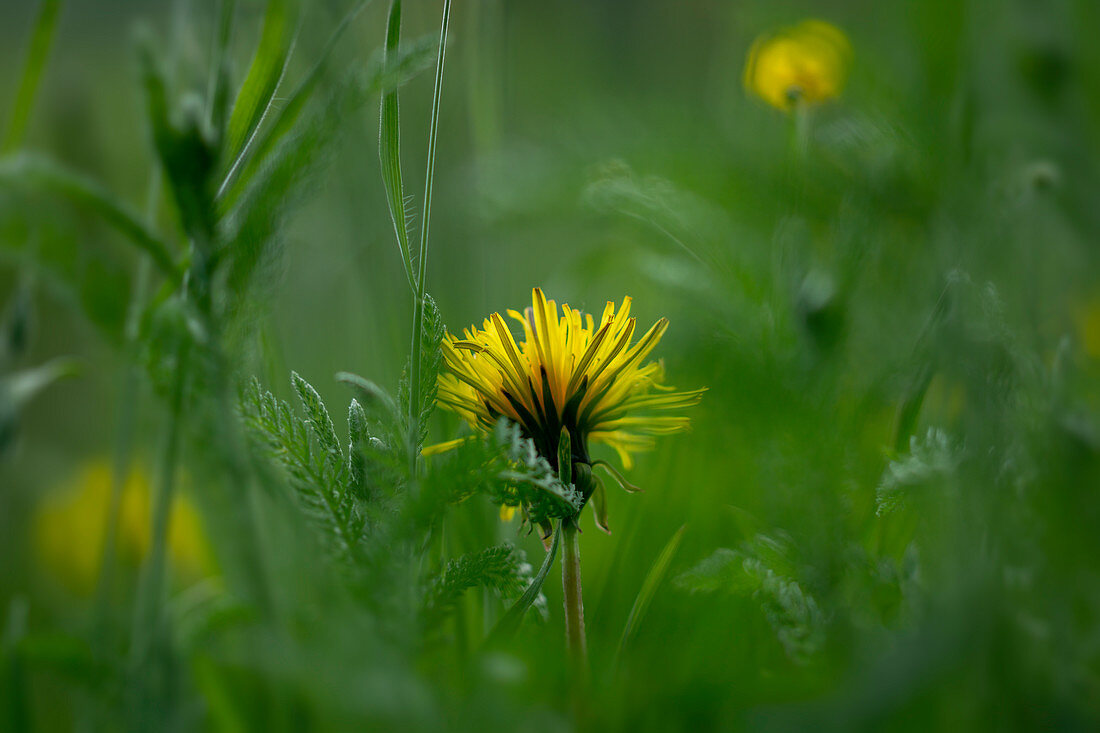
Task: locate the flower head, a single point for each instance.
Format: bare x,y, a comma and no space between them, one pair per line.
805,64
569,372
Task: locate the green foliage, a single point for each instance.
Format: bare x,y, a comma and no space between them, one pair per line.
506,467
430,360
309,451
765,570
389,149
498,568
26,170
929,461
892,298
19,386
653,579
258,91
38,52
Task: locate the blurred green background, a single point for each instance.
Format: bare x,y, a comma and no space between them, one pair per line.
894,473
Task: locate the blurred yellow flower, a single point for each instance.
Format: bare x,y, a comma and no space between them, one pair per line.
69,528
1087,317
804,64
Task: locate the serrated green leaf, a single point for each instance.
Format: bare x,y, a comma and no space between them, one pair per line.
316,414
721,571
495,567
318,476
431,358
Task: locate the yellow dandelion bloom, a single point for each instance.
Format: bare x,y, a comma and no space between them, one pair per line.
805,64
70,525
570,372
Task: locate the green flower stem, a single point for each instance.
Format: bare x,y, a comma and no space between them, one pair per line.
574,604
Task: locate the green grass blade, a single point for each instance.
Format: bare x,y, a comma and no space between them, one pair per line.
433,137
260,144
26,170
39,50
509,623
652,581
389,148
215,91
264,76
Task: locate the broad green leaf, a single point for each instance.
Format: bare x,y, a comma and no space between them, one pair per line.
39,50
389,149
264,76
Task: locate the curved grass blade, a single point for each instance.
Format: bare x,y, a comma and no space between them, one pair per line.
652,581
389,148
509,623
41,42
31,170
373,395
22,386
264,76
262,142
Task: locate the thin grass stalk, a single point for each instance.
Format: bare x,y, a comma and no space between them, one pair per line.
421,265
152,582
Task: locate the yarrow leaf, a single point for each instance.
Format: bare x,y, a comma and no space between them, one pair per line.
498,568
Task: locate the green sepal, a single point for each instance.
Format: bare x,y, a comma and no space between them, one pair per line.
599,505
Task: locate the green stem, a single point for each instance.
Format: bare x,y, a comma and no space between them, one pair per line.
151,585
574,604
421,265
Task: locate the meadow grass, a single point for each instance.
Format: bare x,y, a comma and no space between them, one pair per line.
259,472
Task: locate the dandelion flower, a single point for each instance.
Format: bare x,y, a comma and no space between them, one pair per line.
569,372
803,65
